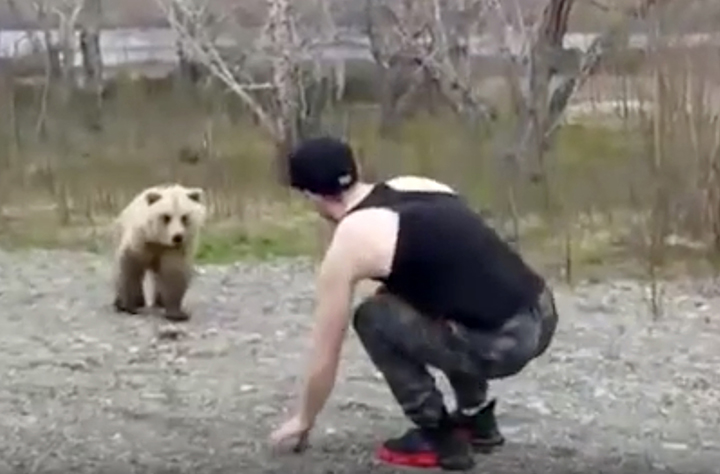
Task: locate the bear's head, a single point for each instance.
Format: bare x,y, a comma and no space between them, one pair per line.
174,215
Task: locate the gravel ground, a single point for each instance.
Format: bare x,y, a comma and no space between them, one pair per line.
87,390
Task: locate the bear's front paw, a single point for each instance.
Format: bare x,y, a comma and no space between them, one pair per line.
177,315
122,307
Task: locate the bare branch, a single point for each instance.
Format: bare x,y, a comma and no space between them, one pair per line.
544,97
285,114
189,21
589,62
281,31
415,36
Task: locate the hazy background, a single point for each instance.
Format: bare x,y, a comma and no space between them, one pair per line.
626,183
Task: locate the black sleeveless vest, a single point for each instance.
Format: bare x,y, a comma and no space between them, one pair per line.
449,264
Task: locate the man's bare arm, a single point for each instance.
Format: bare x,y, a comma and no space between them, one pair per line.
353,255
334,293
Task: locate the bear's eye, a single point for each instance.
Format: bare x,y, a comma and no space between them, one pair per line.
166,218
184,219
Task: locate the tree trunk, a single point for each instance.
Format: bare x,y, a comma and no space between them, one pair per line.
189,70
287,81
92,58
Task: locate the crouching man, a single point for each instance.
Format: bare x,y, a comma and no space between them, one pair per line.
454,296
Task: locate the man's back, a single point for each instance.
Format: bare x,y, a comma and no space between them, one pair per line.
448,263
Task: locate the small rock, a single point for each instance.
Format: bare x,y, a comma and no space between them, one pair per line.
563,451
600,392
252,338
171,332
587,419
539,406
594,307
701,306
75,365
152,396
264,410
83,339
700,384
354,405
675,446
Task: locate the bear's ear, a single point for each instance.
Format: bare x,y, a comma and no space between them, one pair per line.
195,194
152,197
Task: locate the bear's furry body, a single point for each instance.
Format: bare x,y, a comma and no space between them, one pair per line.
157,237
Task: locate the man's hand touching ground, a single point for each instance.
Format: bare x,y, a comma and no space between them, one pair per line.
296,430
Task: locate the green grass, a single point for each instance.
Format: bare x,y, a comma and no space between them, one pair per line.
238,245
218,244
598,250
593,169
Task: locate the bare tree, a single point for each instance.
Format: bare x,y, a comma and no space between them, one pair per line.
422,38
64,14
214,39
92,61
60,52
415,54
431,39
189,69
89,25
53,51
282,47
59,22
544,88
329,33
65,17
19,17
327,85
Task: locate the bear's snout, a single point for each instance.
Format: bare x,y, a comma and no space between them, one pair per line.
177,239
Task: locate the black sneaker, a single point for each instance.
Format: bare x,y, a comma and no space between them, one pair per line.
425,448
481,429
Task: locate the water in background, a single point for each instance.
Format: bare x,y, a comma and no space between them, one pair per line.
137,45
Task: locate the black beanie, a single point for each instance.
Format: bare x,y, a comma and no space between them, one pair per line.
324,166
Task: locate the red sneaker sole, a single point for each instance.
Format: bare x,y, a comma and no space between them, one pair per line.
419,460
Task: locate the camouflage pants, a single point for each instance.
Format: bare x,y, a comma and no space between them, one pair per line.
402,342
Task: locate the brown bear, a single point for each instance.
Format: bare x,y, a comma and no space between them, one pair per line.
157,237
